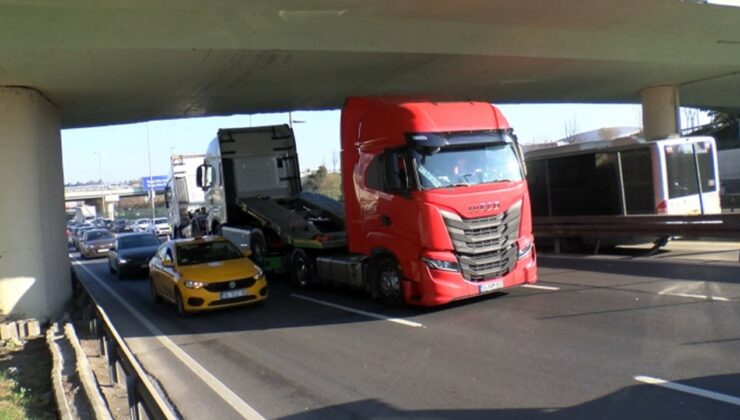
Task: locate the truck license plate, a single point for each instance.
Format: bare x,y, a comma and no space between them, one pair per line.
488,287
233,293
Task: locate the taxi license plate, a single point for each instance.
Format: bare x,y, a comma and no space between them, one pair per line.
489,287
229,294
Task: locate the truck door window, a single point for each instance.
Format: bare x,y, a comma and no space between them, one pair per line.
395,173
374,174
208,177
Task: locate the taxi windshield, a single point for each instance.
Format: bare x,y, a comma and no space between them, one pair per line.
206,252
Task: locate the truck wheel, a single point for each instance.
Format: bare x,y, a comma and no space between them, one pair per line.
301,269
258,246
388,278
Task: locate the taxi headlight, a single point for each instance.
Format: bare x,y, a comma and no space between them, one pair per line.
192,284
259,275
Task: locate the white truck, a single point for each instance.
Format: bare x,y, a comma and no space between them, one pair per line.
183,197
85,214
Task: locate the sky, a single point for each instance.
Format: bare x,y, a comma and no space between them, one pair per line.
120,152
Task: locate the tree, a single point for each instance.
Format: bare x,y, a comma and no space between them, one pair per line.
571,129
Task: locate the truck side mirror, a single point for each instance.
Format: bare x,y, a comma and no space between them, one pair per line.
199,176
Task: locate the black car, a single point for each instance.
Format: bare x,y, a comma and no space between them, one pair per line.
120,226
131,253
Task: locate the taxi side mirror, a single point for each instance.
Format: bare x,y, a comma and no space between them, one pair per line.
167,263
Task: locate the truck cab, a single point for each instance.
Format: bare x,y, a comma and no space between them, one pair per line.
247,162
438,188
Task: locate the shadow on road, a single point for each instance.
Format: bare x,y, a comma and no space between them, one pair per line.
633,402
647,268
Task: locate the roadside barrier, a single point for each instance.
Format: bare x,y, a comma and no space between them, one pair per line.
144,395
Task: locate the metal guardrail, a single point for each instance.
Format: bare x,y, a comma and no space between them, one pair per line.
709,226
144,396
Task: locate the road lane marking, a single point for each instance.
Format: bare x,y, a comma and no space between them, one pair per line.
689,389
241,407
705,297
539,286
361,312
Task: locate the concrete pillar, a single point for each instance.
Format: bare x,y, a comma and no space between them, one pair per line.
34,266
110,209
660,111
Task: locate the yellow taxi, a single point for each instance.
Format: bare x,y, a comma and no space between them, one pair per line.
205,273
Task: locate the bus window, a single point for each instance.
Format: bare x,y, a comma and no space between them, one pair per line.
637,173
705,157
680,170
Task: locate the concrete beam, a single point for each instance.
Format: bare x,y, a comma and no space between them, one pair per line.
34,266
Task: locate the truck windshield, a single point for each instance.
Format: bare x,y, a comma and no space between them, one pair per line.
450,167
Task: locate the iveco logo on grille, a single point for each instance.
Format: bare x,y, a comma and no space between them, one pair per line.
232,285
484,207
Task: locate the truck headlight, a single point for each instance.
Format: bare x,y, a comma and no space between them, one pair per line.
441,264
192,284
524,251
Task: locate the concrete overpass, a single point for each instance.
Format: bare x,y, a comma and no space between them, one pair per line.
103,197
83,63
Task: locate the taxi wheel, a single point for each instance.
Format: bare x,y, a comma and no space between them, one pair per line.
153,292
180,305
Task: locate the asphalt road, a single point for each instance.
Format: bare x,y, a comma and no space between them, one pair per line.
591,345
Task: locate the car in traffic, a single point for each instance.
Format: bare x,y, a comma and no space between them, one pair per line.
131,253
78,236
160,227
205,273
96,243
141,225
121,226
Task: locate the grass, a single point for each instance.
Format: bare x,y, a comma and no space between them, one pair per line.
25,382
13,399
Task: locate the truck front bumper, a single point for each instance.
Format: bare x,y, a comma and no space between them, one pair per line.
438,287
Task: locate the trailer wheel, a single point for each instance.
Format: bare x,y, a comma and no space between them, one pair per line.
301,269
388,278
258,246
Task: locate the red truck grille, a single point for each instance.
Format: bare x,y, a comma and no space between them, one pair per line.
486,246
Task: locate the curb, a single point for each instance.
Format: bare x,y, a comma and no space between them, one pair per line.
65,412
87,378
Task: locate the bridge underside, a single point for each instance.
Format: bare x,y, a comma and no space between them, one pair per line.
102,64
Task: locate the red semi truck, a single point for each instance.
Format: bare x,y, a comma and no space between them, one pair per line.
435,202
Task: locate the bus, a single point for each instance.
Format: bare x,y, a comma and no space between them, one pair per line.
625,176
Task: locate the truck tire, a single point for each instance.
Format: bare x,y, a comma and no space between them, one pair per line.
323,202
258,247
388,280
302,271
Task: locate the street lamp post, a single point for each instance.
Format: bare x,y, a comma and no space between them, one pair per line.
151,186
